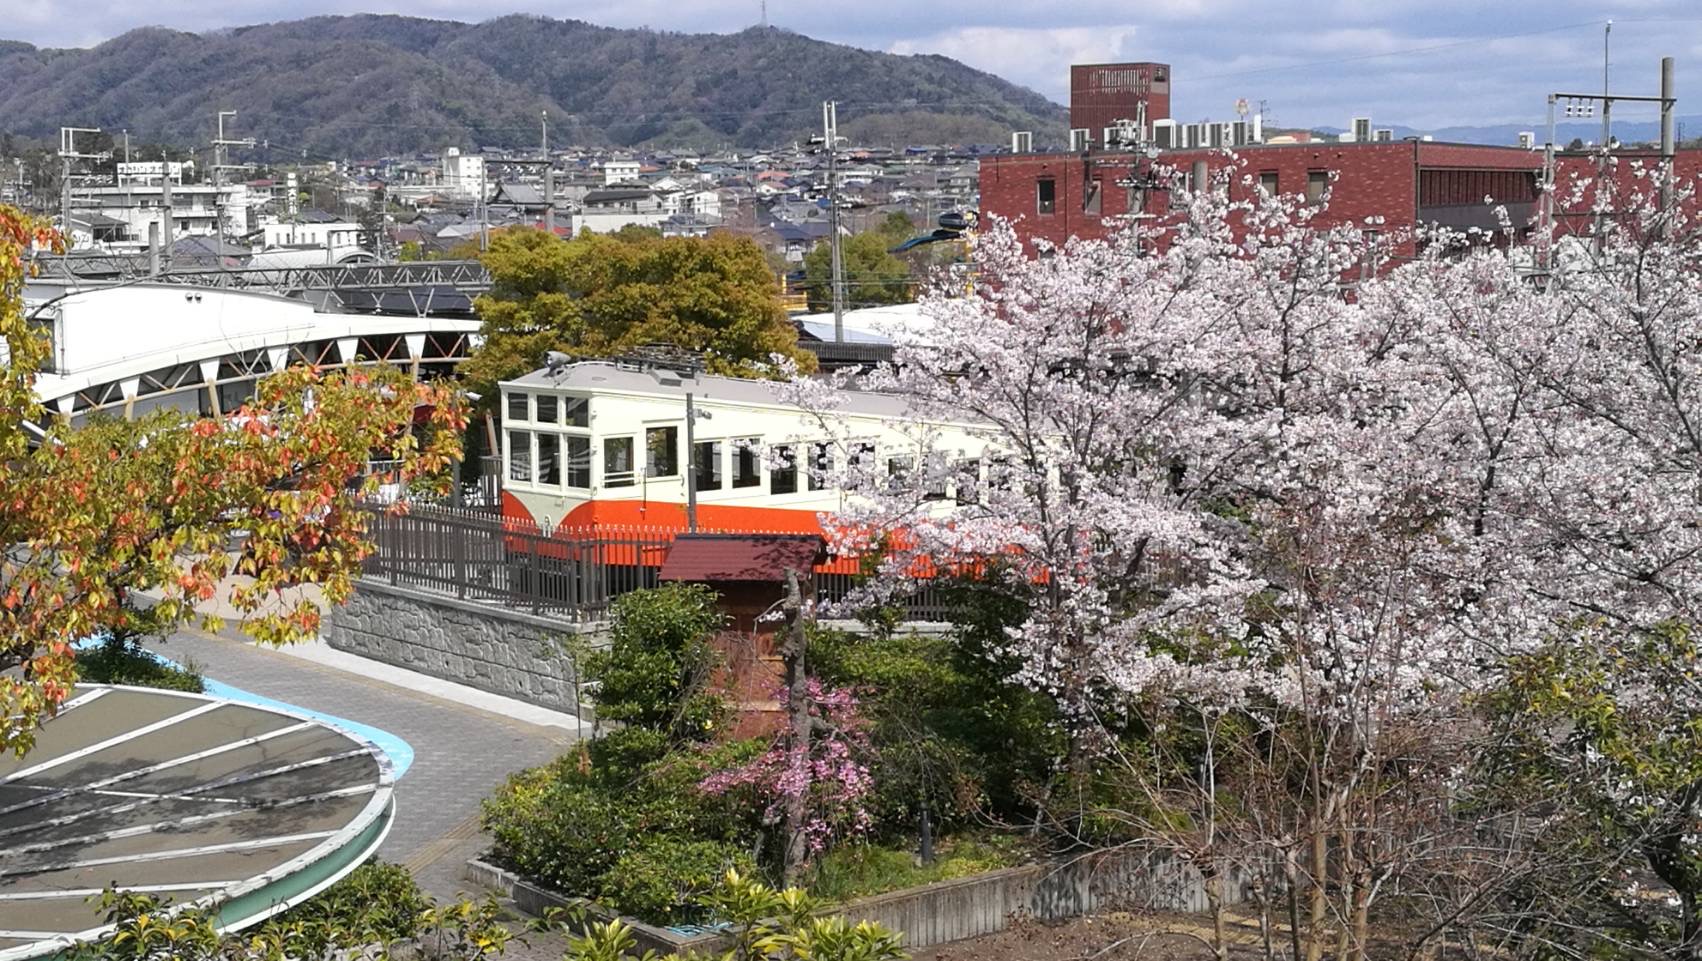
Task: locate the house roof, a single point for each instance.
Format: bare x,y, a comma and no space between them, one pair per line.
741,557
616,195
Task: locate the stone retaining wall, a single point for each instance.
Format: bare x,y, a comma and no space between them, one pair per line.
503,652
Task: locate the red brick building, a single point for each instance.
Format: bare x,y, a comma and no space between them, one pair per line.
1103,93
1058,196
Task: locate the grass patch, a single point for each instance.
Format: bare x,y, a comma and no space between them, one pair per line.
861,870
122,662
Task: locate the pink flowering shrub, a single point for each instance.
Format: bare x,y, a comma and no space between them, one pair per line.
831,773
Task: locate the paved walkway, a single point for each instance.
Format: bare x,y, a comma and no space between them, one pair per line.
461,752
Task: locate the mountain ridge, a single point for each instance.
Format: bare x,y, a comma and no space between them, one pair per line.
370,84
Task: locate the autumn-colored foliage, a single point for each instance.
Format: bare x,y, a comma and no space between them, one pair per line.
91,515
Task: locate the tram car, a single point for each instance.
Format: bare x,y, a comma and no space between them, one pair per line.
595,450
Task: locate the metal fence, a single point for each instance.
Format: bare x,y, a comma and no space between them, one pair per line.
475,554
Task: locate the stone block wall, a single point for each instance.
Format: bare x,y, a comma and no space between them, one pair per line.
483,646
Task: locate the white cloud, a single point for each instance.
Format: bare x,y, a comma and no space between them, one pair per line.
1037,57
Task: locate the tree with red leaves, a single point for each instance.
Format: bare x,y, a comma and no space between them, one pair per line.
92,515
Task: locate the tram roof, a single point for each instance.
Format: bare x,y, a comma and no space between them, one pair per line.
592,377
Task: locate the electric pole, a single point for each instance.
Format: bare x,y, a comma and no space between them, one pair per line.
219,167
830,140
67,153
549,177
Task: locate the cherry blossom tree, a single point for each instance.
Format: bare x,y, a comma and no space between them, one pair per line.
1243,464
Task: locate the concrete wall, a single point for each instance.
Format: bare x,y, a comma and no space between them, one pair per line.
484,646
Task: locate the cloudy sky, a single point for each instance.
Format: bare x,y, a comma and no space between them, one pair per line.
1423,63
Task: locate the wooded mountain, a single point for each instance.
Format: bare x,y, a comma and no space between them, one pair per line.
368,85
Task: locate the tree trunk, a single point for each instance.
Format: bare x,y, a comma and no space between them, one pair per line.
797,726
1319,893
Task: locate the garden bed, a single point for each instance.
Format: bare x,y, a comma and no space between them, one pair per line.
940,912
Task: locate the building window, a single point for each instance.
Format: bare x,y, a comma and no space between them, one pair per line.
519,406
576,411
520,456
662,452
549,459
783,477
546,408
1046,195
1317,181
706,465
821,465
1268,182
747,463
1090,202
618,468
578,462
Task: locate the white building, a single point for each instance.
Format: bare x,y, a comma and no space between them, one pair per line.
620,171
153,171
463,174
337,234
196,210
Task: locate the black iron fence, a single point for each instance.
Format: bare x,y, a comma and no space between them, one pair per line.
475,554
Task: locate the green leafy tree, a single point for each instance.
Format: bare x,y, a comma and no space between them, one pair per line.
1603,733
601,295
872,276
655,673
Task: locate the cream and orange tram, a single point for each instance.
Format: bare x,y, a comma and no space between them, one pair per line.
598,447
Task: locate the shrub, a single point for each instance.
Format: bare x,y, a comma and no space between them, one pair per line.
858,871
118,660
621,755
555,828
377,903
655,672
664,878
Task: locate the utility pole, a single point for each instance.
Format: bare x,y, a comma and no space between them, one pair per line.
830,140
219,167
549,177
67,153
1607,102
484,220
126,145
1667,143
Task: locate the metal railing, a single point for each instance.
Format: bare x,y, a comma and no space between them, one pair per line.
475,554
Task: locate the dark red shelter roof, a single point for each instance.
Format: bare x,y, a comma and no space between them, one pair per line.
741,557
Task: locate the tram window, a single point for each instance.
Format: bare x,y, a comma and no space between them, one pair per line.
549,459
576,411
546,409
1000,473
747,462
578,461
662,451
862,464
617,462
706,465
520,456
935,478
519,406
968,481
898,471
821,465
783,476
